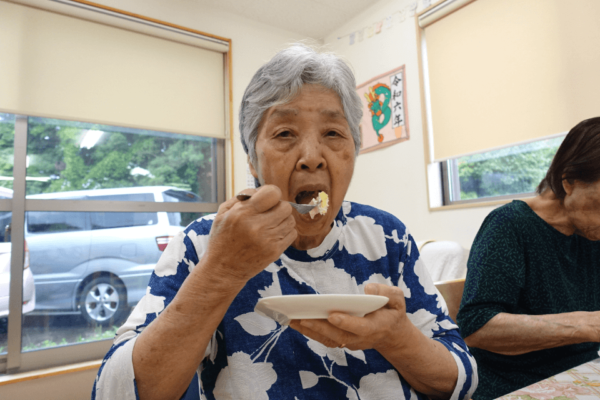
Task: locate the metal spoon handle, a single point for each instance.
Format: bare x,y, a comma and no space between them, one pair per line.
301,208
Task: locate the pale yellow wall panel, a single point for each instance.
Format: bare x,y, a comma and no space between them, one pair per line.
72,386
508,71
80,70
579,43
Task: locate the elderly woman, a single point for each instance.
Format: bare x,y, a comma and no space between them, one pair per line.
197,323
530,307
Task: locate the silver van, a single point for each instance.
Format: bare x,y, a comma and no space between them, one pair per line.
98,264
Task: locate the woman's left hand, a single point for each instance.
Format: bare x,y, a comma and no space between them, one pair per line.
381,330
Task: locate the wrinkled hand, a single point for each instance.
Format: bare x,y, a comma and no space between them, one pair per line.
246,236
381,330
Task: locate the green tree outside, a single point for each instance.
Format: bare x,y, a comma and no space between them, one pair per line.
514,170
56,155
7,138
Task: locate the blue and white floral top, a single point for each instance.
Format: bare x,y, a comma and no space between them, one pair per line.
251,356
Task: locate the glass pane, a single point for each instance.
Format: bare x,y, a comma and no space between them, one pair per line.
28,291
73,160
122,220
5,252
512,170
4,293
7,135
183,219
7,159
88,277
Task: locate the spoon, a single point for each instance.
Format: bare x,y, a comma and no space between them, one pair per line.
301,208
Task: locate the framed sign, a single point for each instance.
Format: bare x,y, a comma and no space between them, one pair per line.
384,120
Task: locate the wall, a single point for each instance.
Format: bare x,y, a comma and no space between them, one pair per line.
71,386
393,178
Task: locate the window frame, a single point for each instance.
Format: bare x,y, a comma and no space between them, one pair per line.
14,360
451,188
450,179
222,182
440,179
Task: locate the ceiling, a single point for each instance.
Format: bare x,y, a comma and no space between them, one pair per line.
312,18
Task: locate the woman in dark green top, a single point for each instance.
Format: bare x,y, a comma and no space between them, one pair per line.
530,307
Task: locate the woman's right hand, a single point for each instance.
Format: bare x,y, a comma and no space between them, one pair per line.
246,236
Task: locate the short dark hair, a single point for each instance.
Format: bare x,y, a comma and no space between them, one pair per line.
577,158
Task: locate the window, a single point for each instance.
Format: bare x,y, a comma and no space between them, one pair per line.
66,156
7,160
88,249
5,218
484,88
175,196
512,171
82,211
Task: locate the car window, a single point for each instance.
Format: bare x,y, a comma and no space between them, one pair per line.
174,218
53,222
5,219
108,220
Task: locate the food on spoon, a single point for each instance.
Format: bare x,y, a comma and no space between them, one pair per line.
322,201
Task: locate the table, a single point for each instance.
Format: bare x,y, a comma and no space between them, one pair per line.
579,383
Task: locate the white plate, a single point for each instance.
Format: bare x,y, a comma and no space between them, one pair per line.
319,306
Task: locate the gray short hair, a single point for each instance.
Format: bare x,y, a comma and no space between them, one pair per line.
279,81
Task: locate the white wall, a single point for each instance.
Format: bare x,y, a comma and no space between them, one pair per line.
393,178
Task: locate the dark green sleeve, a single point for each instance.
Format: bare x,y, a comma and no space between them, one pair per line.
495,272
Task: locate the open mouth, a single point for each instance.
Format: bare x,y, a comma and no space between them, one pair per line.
305,196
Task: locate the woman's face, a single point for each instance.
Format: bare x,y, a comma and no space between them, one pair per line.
304,147
582,204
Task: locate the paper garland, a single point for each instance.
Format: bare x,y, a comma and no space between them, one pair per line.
387,23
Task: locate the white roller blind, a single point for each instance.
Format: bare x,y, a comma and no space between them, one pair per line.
508,71
63,67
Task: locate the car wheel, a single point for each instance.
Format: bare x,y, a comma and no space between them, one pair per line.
103,301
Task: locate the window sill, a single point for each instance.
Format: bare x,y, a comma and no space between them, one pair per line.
471,205
44,373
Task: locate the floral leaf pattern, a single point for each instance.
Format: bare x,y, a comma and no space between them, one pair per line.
375,278
250,356
351,394
308,379
381,386
255,324
357,354
363,236
275,288
232,382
